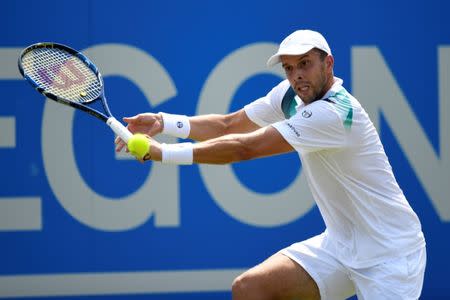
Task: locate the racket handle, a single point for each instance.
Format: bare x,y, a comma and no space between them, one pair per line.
119,129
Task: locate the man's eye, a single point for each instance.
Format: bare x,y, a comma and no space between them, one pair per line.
305,62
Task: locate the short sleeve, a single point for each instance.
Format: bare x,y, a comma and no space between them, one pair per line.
267,110
315,127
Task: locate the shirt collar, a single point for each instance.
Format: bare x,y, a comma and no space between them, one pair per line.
336,87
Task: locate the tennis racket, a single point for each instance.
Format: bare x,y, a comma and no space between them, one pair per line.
67,76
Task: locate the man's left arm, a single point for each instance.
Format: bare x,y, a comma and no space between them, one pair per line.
266,141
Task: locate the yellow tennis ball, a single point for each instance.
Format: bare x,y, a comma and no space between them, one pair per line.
138,145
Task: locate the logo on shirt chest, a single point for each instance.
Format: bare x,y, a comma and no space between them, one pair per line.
306,113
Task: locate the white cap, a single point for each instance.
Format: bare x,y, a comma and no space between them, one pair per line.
299,42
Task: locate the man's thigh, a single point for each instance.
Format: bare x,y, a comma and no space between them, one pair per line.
331,277
399,278
278,277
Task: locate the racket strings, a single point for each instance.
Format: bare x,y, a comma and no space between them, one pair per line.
62,74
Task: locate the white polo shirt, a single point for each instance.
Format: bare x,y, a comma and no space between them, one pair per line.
367,217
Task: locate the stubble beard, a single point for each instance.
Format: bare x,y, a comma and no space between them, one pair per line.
318,90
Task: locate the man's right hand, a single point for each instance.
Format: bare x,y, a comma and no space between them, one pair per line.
147,123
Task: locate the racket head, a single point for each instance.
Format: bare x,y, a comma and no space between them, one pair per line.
61,73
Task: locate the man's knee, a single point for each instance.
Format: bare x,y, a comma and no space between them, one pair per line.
246,286
278,277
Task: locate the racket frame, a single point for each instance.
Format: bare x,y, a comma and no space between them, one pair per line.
106,117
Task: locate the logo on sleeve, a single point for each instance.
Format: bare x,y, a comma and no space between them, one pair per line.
180,124
293,129
306,113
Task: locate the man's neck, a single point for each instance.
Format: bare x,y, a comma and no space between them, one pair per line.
325,90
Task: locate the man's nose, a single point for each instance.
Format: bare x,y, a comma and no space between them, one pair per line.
298,75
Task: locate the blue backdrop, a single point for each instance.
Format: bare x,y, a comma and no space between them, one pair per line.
76,220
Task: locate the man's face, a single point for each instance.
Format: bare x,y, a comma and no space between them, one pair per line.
309,75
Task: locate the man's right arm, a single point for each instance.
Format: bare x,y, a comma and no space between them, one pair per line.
210,126
201,127
260,113
257,114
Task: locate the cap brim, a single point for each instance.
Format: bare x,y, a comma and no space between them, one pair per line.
276,58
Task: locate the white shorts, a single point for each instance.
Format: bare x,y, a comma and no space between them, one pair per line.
397,278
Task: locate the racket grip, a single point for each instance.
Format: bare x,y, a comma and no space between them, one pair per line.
119,129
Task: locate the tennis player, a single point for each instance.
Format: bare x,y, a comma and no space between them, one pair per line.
373,245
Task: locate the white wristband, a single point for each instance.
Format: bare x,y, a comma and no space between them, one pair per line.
179,154
176,125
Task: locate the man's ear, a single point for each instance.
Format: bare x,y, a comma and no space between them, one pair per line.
329,62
